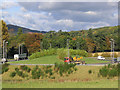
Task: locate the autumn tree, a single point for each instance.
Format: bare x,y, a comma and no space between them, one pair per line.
4,31
32,42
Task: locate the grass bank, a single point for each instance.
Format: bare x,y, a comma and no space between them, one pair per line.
54,58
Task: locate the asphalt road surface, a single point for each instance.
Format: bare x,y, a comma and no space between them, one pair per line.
96,64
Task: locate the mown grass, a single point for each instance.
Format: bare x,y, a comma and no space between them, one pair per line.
79,79
45,84
42,60
54,58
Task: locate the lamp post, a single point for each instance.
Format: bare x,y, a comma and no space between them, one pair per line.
68,46
3,48
4,59
112,49
6,50
19,48
77,45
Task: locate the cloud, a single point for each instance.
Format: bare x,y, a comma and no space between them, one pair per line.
6,5
64,15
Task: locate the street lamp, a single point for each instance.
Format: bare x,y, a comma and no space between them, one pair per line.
3,48
6,50
68,46
112,49
77,45
4,59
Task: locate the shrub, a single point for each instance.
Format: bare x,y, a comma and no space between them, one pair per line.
6,69
104,72
118,68
19,73
52,77
62,53
105,54
110,70
28,70
115,55
16,69
43,53
12,74
96,55
23,67
113,72
90,55
89,71
109,65
75,69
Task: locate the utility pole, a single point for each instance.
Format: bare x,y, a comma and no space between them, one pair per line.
68,47
77,45
3,49
112,49
6,49
50,45
41,45
19,48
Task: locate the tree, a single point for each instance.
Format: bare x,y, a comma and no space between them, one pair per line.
19,31
5,34
32,42
90,35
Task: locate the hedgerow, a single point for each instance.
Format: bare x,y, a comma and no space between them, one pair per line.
60,52
110,70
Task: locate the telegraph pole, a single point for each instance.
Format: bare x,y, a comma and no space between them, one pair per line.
50,45
68,47
112,49
77,45
6,49
3,49
19,49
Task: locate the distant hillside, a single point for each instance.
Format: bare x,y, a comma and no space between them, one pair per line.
25,30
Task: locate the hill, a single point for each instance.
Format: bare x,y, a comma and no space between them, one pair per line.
14,29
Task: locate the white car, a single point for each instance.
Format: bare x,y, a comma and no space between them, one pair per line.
16,57
100,58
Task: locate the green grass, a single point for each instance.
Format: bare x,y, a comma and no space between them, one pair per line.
42,60
45,84
79,79
54,58
92,60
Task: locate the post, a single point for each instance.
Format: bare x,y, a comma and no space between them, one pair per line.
6,50
41,45
112,41
77,45
113,51
19,49
68,46
3,48
50,45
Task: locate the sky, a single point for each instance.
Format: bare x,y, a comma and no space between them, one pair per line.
66,16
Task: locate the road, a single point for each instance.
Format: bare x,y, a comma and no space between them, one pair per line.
96,64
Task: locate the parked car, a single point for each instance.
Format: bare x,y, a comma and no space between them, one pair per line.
117,60
100,58
20,56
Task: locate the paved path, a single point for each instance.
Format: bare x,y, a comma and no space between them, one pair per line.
97,64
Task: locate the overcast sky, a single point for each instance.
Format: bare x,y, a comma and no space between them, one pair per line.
67,16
